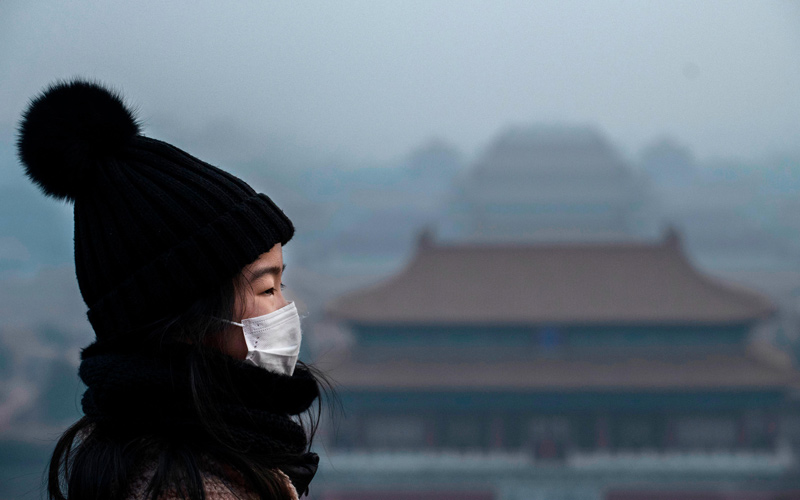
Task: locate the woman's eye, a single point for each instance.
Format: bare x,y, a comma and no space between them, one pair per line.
271,291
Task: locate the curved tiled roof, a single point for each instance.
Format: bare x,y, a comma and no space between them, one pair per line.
550,150
536,284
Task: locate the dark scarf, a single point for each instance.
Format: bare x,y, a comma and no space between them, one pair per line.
146,392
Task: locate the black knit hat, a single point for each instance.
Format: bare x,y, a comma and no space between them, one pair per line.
155,228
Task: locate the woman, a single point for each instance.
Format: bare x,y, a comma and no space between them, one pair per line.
192,390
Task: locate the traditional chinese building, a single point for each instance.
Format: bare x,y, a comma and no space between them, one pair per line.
558,371
549,183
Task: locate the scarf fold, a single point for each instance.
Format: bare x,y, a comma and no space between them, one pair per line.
250,407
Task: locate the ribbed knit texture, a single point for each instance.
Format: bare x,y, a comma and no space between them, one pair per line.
155,228
150,391
151,394
168,229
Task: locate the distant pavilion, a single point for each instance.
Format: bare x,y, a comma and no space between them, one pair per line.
587,370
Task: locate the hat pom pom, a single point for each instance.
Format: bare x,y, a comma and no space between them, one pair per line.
67,131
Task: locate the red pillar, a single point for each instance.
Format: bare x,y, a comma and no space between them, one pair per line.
601,433
497,432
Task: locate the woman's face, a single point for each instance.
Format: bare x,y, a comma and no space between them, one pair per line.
259,292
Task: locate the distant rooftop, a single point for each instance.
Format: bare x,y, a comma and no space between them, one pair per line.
553,183
559,149
618,283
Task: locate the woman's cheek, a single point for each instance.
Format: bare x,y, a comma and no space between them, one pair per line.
231,342
237,347
253,306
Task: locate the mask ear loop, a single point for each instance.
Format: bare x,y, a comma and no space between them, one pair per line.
231,322
302,316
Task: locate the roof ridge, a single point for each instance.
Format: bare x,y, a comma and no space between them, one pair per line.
616,282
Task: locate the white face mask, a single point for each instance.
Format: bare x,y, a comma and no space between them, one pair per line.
273,340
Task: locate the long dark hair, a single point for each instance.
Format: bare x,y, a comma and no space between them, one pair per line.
98,462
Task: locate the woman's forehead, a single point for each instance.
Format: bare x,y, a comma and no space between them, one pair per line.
267,263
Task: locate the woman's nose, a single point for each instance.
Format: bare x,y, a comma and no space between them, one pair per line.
282,302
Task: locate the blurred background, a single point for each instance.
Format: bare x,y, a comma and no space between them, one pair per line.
546,250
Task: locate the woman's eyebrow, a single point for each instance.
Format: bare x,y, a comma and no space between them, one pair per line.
274,270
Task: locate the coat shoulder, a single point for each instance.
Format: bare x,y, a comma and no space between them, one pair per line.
219,483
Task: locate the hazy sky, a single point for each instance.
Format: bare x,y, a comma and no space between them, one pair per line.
371,80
